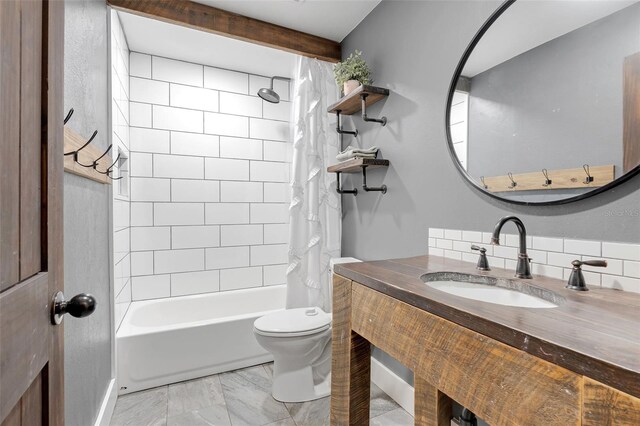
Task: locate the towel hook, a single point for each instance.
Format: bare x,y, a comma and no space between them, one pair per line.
483,182
95,162
589,178
68,117
106,172
513,183
77,151
547,181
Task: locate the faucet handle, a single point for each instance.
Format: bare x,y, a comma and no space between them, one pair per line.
483,262
599,263
576,279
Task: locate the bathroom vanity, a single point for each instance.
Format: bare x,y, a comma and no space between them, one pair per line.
576,363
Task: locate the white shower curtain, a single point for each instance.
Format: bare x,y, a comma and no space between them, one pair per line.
315,212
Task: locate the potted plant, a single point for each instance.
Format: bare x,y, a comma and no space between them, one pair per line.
352,72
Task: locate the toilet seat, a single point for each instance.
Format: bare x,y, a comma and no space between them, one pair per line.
293,322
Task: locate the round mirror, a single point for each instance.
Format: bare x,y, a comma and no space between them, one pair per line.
544,107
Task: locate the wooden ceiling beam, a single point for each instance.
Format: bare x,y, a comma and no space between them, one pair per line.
217,21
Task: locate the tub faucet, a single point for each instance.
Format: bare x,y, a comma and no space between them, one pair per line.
522,268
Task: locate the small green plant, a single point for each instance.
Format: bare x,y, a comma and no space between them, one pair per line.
352,68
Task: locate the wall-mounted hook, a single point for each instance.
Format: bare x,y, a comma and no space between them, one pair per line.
382,188
589,178
106,172
363,100
484,185
95,162
547,181
77,151
68,117
339,127
513,183
339,189
110,169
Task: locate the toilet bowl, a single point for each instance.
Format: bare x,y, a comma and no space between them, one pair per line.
300,342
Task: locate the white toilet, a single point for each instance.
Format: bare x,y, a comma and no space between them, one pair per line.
300,342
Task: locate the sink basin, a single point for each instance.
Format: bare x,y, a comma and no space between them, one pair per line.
492,290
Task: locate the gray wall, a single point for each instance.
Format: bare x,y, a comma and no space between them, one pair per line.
556,106
86,215
413,48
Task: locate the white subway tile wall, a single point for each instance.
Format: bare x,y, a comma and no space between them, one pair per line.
120,137
209,192
551,257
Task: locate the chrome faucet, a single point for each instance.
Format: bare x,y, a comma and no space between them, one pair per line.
522,268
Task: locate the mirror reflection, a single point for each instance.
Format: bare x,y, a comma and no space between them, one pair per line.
548,103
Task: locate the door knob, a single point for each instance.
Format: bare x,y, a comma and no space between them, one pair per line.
80,306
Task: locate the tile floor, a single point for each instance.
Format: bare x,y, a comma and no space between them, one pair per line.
238,398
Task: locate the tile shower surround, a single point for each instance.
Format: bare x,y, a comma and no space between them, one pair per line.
550,256
209,179
120,140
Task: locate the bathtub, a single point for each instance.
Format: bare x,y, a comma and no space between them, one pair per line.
170,340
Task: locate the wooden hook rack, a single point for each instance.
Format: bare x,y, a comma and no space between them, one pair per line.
72,142
560,179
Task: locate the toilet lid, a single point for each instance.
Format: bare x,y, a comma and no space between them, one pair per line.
299,322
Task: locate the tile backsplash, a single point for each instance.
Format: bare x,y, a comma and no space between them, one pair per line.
209,179
551,256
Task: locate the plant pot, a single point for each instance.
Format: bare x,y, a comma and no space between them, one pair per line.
350,86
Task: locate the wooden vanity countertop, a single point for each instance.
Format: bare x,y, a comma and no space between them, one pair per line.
594,333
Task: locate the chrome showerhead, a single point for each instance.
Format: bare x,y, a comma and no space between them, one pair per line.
269,94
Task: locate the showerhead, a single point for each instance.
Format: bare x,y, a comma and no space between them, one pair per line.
269,94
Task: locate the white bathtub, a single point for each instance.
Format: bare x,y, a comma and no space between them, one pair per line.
170,340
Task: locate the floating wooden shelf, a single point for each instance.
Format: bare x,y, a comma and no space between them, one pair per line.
351,103
560,179
356,165
72,142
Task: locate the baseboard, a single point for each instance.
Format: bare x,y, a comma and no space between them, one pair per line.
399,390
108,405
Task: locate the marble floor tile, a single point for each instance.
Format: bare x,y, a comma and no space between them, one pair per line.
248,396
211,416
285,422
310,413
145,408
238,398
397,417
196,394
269,369
380,402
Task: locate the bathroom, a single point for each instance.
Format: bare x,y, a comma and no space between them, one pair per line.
196,235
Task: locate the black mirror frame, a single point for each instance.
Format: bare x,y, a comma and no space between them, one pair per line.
452,88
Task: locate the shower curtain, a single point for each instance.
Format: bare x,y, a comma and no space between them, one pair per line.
315,210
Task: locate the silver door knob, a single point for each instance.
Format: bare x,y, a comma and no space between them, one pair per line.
80,306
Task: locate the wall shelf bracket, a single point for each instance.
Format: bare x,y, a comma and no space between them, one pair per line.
339,189
382,188
339,127
363,100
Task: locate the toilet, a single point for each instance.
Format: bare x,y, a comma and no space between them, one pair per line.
300,342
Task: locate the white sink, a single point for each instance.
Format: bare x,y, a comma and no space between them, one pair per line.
490,294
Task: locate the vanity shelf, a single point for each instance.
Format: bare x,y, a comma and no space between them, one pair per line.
358,165
352,103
